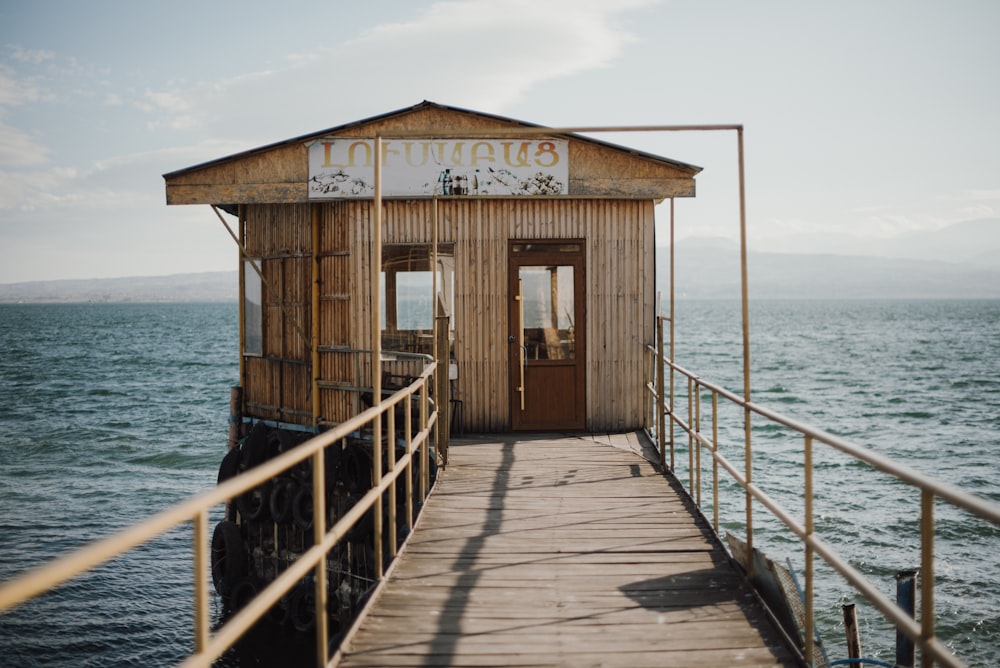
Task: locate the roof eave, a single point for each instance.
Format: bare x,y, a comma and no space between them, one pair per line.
426,104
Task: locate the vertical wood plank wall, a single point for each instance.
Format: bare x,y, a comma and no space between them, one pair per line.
619,239
338,301
277,384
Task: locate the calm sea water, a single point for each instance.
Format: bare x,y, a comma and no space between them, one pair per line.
918,381
109,413
113,411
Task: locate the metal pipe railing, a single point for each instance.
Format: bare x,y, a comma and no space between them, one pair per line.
208,647
931,490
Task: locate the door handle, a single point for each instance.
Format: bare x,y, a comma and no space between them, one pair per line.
523,353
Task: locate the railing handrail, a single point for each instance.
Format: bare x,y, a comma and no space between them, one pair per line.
977,505
922,633
45,577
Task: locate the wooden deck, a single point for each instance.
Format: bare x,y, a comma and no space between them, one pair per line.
561,551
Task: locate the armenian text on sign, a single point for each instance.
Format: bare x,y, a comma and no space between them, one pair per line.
342,167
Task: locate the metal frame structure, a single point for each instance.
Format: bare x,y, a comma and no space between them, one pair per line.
195,510
208,647
523,131
932,649
659,390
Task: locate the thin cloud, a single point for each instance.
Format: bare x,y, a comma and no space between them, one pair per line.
17,148
16,90
487,52
979,211
105,184
481,53
33,56
984,194
31,190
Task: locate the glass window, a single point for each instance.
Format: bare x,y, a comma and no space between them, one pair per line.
409,303
414,300
548,303
253,320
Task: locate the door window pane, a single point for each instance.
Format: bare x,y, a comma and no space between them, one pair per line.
548,306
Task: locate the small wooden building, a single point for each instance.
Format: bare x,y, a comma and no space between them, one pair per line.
539,247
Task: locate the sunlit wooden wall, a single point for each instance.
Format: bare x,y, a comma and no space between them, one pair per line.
620,300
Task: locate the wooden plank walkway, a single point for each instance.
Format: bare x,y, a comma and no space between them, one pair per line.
561,551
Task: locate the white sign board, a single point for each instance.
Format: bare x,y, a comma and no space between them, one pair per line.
342,167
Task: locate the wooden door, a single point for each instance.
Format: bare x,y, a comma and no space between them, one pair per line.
547,335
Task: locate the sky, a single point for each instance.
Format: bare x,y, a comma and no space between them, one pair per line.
865,120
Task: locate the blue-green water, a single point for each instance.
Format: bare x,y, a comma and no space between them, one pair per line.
918,381
110,412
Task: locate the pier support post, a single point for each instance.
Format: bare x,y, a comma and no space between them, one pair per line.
906,598
235,415
852,631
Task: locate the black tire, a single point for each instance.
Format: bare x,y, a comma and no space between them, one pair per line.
282,497
302,508
290,439
363,530
302,607
255,504
230,465
355,470
243,592
333,456
256,447
229,559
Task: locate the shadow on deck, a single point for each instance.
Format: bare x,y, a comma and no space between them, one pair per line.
562,550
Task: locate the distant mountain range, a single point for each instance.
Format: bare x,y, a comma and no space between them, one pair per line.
219,286
958,262
973,242
710,269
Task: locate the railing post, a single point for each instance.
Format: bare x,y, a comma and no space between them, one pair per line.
319,581
745,302
391,464
715,460
810,527
647,413
926,573
201,623
690,421
673,317
408,428
661,399
672,406
376,334
697,441
424,459
376,481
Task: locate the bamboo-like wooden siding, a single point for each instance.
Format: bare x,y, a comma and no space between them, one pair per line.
277,383
620,300
620,294
338,296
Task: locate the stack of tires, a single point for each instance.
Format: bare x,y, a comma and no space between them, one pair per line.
269,527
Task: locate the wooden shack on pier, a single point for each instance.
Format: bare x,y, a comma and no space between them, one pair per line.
538,246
